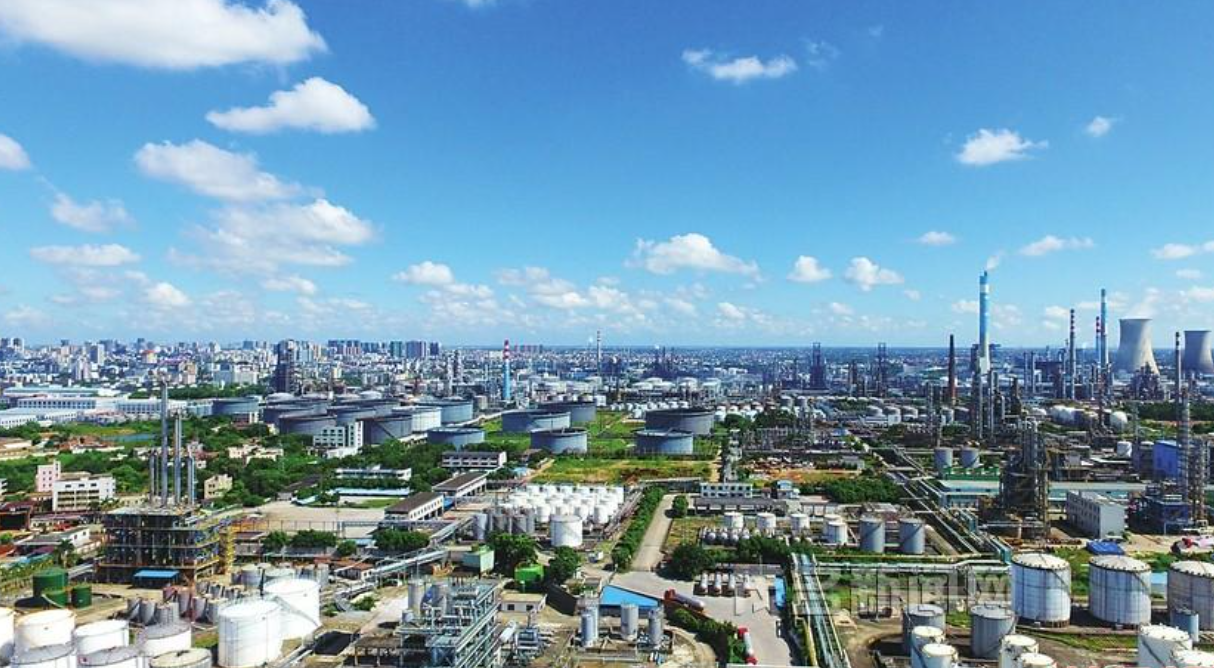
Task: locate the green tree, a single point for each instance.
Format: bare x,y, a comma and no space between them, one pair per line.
313,539
345,548
511,551
389,539
563,565
689,560
275,541
65,554
678,507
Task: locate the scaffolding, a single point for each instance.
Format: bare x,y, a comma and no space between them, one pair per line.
455,628
193,543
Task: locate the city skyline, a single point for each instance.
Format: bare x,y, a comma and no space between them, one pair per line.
535,170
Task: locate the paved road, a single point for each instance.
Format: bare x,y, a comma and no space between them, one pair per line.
650,553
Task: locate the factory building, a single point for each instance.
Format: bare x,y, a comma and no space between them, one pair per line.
471,483
215,486
342,440
1096,516
81,491
177,538
473,460
724,490
420,506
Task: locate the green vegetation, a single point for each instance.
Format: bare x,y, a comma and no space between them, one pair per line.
630,542
207,392
563,565
309,539
604,470
389,539
689,560
722,637
868,488
1095,642
346,548
678,507
366,603
511,551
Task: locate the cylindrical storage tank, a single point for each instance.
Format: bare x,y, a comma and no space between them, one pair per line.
589,628
798,523
383,428
580,412
191,658
46,656
920,614
872,534
453,411
835,531
561,441
733,520
156,640
51,579
1035,660
480,526
1191,587
113,657
602,513
989,625
166,613
417,592
1013,647
456,437
630,621
1192,658
1041,588
942,458
565,531
1188,621
937,655
697,421
105,634
1119,590
921,636
8,627
305,425
300,603
236,406
250,634
670,442
278,573
912,536
526,421
82,595
971,458
655,626
1157,644
44,628
765,521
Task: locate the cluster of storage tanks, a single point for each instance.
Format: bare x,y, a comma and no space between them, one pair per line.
943,460
1070,416
720,583
911,532
565,510
992,638
589,624
51,639
382,419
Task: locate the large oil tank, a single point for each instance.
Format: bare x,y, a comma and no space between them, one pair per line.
565,530
942,458
698,421
250,634
573,440
1191,587
191,658
1013,647
300,603
872,534
383,428
580,412
989,625
46,656
44,628
454,411
525,421
105,634
912,536
162,638
664,442
971,458
423,418
1157,644
630,621
1041,588
1193,658
920,614
1120,590
456,437
305,425
113,657
236,406
938,655
921,636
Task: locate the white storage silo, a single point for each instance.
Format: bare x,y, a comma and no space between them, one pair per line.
44,628
921,636
920,614
1041,588
1191,587
196,657
105,634
1035,660
765,522
630,621
125,656
589,628
163,638
46,656
1192,658
912,535
798,523
1013,647
1120,590
872,534
300,603
834,531
938,655
250,634
565,531
8,626
989,624
733,520
1157,644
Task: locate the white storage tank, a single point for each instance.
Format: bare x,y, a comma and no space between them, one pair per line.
61,655
300,603
872,534
8,626
922,636
971,458
1041,588
1013,647
798,523
1035,660
912,535
1191,587
1193,658
1120,590
105,634
195,657
834,532
250,634
920,614
1157,644
990,623
162,638
938,655
942,458
44,628
125,656
765,522
565,531
630,621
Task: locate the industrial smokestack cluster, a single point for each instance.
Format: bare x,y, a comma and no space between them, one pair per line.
165,467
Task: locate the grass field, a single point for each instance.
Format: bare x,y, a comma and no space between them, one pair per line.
687,530
621,471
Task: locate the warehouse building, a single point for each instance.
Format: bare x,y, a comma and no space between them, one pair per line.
473,460
1094,515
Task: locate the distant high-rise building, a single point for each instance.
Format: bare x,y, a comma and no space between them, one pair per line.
416,350
396,349
286,373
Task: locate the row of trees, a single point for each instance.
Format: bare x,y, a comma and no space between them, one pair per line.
630,542
867,488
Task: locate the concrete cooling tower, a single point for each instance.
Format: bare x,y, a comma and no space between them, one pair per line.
1134,350
1197,344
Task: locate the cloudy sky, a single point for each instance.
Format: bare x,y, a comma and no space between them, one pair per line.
679,172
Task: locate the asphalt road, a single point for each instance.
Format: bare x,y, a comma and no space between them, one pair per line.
649,555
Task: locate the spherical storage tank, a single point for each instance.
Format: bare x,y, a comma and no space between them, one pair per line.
454,411
872,534
698,421
664,442
250,634
1041,588
196,657
1191,588
565,531
990,623
300,603
1013,647
1120,590
528,420
580,412
912,536
1157,644
560,441
456,437
44,628
105,634
114,657
162,638
46,656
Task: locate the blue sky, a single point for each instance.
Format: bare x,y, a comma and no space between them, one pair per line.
680,172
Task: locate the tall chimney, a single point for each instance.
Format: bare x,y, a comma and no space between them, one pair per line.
164,444
177,461
952,371
984,312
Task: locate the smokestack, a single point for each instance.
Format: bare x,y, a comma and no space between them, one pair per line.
952,371
191,485
152,475
506,371
177,461
1070,360
984,343
1176,360
1104,330
164,444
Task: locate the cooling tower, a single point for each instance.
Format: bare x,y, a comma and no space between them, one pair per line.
1134,349
1197,344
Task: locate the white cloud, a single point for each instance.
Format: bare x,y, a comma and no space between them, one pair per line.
1052,244
688,251
866,274
108,255
936,238
819,54
165,295
731,311
1057,313
913,295
438,275
839,308
1174,251
987,147
807,270
315,104
177,35
965,306
738,70
12,155
297,284
94,216
212,171
992,263
1199,294
681,306
1189,274
1099,126
25,316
